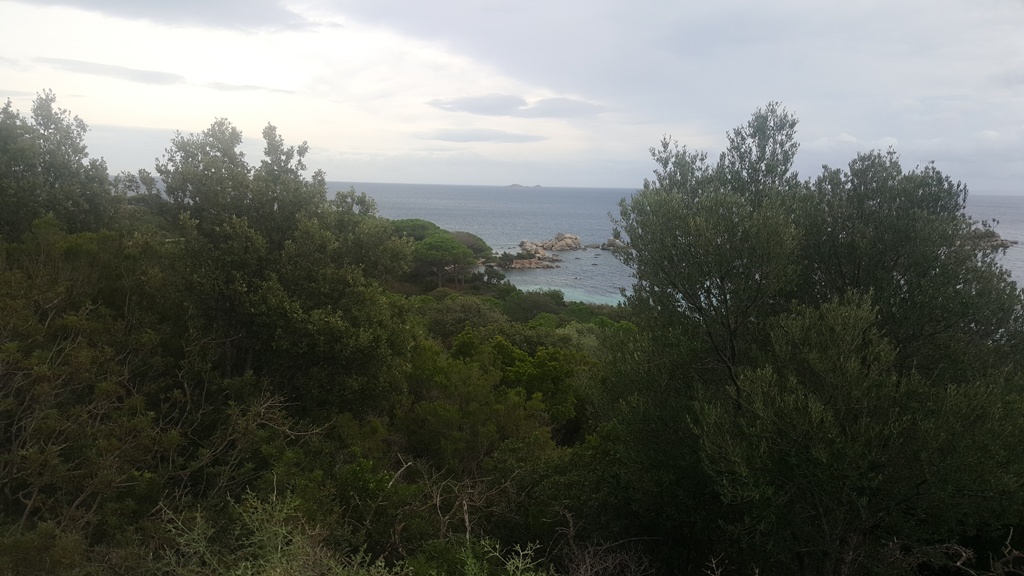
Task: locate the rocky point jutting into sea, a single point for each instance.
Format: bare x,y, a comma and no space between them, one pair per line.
535,254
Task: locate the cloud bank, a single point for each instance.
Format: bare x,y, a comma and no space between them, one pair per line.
517,106
478,135
228,14
111,71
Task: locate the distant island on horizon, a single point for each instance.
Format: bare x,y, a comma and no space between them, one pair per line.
521,186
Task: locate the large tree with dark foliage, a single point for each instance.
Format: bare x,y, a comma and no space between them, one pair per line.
851,370
45,169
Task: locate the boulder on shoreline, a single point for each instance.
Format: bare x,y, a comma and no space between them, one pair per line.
531,256
532,248
613,243
541,258
560,243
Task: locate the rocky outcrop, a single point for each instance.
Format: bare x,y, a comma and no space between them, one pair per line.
991,240
541,257
532,248
613,243
560,243
532,255
531,264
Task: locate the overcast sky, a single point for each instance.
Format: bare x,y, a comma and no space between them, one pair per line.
551,92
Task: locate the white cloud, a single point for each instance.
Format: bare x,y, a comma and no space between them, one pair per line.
228,14
510,105
478,135
120,72
594,83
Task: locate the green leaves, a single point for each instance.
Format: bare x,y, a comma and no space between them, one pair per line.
855,321
834,452
45,169
443,254
716,245
759,159
206,173
289,281
810,371
903,239
79,434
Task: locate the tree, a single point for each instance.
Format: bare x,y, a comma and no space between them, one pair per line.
45,169
415,228
206,174
280,193
904,239
837,454
714,245
288,280
476,245
442,254
855,319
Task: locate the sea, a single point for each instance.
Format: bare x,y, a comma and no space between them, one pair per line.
505,215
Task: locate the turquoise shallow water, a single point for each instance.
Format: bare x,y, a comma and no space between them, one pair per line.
503,216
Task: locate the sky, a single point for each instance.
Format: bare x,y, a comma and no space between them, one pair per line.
549,92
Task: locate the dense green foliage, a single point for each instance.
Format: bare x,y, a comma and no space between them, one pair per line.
440,254
845,350
45,169
214,373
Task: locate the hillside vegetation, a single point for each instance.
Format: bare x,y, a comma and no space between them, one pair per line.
220,369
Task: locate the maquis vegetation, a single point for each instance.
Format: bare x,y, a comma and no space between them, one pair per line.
217,367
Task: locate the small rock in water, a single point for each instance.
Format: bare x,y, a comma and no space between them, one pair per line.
613,243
